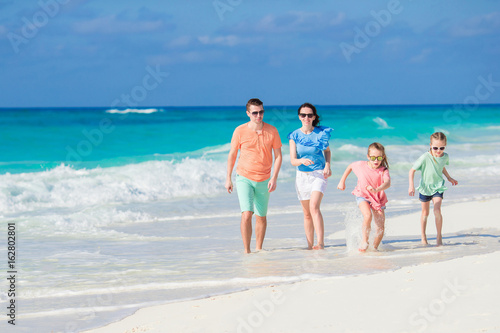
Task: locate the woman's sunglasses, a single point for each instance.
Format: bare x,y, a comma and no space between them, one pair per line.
440,148
308,115
373,158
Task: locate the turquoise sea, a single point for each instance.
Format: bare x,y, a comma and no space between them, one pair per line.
120,209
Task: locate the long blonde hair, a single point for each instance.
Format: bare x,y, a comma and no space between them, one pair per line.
379,146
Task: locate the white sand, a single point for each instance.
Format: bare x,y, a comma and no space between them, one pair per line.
459,295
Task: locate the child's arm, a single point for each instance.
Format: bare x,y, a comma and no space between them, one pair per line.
385,185
341,185
411,188
451,180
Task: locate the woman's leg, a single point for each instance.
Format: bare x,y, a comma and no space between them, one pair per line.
317,218
308,224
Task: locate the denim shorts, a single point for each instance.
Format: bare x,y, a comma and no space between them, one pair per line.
426,198
361,199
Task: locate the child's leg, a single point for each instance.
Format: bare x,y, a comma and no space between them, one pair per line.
423,220
439,219
365,209
379,219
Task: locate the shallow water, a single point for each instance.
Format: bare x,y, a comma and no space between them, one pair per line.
97,243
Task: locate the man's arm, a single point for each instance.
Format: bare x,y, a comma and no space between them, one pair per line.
231,160
278,158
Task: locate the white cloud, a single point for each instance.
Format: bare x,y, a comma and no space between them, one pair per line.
478,25
181,41
292,22
230,40
421,57
111,25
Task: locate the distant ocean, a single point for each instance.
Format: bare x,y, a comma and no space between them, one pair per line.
120,209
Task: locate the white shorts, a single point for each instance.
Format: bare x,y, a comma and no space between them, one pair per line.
307,182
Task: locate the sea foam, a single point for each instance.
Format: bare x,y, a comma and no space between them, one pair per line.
64,186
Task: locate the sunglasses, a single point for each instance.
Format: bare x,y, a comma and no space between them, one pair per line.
308,115
255,113
440,148
373,158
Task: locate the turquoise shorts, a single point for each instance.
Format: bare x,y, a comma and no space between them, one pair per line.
253,196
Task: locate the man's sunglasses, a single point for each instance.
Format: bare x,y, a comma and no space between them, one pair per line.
255,113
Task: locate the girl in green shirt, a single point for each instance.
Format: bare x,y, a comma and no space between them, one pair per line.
432,165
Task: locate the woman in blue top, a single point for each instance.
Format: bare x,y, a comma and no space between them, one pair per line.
310,153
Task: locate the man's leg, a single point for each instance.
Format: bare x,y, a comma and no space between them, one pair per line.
246,230
260,231
261,201
246,198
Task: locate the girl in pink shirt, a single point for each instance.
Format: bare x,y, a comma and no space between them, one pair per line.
373,179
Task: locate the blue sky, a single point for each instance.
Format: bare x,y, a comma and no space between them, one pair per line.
223,52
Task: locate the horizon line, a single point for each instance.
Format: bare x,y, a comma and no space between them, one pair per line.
229,106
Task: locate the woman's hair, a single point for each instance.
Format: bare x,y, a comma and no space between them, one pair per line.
439,136
312,107
379,146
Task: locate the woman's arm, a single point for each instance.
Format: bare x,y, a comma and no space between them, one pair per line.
327,171
293,156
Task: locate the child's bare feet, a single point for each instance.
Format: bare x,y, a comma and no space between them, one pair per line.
424,241
362,247
319,247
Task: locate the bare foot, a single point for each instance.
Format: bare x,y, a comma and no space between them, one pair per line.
424,241
319,247
363,247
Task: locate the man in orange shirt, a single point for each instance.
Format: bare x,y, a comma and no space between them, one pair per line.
257,141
